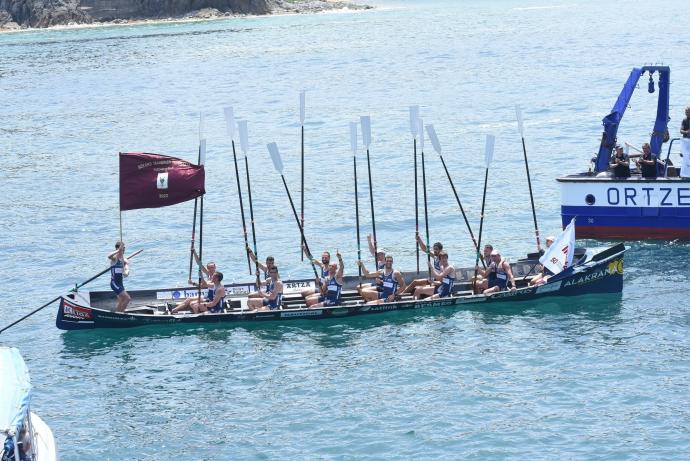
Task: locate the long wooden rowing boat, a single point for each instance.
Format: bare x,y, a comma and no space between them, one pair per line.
597,271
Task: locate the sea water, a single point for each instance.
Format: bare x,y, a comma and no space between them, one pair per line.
589,378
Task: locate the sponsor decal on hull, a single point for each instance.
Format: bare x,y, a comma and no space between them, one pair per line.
297,287
72,312
306,313
549,287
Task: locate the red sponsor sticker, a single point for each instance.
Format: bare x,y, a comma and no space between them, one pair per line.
75,312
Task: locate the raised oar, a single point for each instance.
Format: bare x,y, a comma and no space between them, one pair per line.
244,145
426,207
202,144
365,121
353,145
414,129
230,124
301,121
488,157
278,165
76,287
518,114
437,147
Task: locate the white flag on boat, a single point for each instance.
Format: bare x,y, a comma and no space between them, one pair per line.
559,256
685,164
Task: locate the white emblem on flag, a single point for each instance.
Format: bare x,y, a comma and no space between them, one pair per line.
162,181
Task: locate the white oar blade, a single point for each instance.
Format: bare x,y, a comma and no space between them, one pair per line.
433,138
518,114
489,149
366,130
353,137
202,152
230,121
414,123
275,157
302,100
244,136
420,129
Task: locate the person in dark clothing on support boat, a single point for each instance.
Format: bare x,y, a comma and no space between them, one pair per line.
213,302
647,162
119,268
392,283
620,163
331,287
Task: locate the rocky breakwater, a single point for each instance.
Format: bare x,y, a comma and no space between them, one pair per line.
18,14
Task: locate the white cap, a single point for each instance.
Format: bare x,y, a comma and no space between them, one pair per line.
495,253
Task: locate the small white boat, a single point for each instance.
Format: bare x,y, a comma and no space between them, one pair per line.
23,434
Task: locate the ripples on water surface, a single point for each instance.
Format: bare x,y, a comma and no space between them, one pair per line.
602,378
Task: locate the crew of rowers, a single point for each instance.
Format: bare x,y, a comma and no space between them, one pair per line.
389,285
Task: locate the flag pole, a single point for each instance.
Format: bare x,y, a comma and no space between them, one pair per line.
518,114
119,198
437,147
230,124
196,200
365,121
202,161
278,165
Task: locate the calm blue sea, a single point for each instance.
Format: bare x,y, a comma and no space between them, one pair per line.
592,378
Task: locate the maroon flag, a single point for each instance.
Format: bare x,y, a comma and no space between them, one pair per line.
153,180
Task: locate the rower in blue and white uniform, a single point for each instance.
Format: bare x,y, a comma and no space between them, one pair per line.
311,295
272,298
504,274
544,274
484,277
265,268
214,302
119,268
436,249
206,272
332,286
444,276
392,286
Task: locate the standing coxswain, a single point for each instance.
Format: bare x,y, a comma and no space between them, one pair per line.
119,268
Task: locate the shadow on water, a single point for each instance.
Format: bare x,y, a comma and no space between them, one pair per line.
338,332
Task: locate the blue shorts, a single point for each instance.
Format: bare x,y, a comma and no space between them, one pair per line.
327,302
116,288
266,302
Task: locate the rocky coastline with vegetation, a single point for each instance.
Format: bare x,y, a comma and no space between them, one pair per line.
24,14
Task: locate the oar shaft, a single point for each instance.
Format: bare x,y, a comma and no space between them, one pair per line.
462,210
191,248
301,230
426,214
239,195
531,197
302,186
416,203
371,202
251,215
201,244
359,250
58,297
481,218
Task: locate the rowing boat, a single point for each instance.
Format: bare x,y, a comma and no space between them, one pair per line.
598,271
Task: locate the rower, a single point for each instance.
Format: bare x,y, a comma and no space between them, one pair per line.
323,265
272,298
332,286
378,253
444,275
208,271
392,283
265,268
482,283
544,273
503,272
434,253
119,268
214,302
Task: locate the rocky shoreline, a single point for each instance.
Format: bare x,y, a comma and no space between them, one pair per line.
24,14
